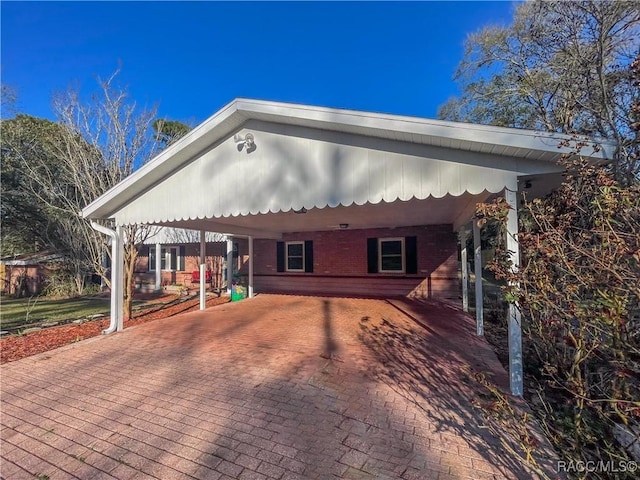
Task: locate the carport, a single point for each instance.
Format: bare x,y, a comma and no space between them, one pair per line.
262,170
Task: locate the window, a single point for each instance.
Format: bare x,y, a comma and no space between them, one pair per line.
152,259
295,256
391,255
171,258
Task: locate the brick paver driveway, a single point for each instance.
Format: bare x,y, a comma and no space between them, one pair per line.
273,387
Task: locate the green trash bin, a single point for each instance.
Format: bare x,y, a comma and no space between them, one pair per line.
238,292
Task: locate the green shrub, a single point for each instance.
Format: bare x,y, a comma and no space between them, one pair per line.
578,289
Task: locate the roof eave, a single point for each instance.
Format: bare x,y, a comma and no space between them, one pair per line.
366,123
174,155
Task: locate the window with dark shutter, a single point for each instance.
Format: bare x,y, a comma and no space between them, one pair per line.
411,254
181,259
152,258
372,255
280,256
308,256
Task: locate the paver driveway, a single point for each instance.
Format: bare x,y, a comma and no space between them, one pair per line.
273,387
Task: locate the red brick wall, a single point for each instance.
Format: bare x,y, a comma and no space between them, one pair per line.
340,264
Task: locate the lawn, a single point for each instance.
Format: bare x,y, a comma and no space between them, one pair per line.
13,311
15,347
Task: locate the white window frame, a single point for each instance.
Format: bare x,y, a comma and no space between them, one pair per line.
402,254
165,252
171,251
286,257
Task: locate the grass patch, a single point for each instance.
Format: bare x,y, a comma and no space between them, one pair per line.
13,311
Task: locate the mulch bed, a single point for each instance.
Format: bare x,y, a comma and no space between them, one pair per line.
15,347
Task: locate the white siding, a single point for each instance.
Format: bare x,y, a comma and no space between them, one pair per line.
294,167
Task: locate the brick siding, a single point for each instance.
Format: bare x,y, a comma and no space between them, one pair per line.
340,264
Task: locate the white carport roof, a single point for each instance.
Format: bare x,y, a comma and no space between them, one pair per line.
340,166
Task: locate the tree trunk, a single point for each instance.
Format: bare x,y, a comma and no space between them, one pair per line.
130,257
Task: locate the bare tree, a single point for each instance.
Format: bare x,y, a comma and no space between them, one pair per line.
560,66
103,140
8,98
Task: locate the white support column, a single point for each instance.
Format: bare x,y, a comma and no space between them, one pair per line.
477,261
203,273
465,270
515,329
113,312
158,267
229,263
113,235
250,239
118,264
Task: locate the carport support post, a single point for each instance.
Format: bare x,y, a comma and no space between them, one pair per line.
203,280
118,264
229,263
515,331
250,266
158,267
465,270
477,263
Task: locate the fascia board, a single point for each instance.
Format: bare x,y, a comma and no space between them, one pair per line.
369,123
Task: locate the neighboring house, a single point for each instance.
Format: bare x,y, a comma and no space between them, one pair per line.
26,275
342,202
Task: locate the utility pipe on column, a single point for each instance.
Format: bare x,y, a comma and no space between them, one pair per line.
250,238
203,279
113,324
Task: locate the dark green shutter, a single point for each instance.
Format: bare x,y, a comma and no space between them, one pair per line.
280,256
145,251
308,256
372,255
182,254
411,254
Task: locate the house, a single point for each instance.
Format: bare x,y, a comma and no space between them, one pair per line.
26,275
170,256
340,201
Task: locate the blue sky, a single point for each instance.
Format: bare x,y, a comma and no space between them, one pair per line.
191,58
